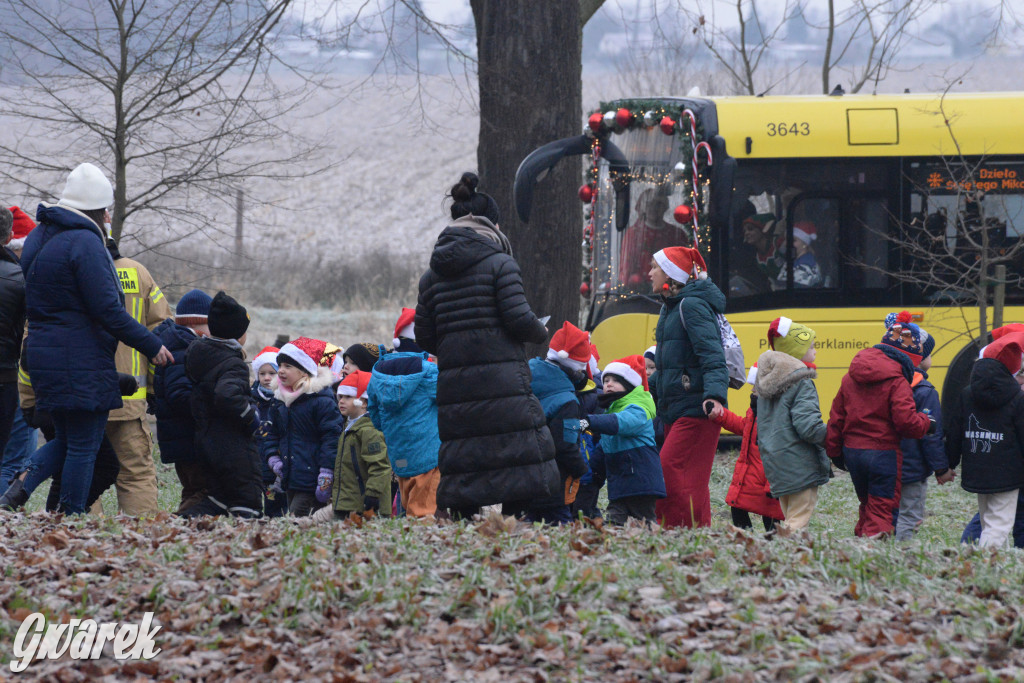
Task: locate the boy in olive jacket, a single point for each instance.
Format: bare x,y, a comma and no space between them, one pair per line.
791,433
362,471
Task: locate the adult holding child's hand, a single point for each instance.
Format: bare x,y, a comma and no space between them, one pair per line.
76,317
473,315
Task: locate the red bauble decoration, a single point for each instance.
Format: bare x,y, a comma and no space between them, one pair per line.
586,194
635,279
585,289
595,121
683,214
623,118
668,126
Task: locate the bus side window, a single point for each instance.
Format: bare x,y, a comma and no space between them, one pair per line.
814,253
865,254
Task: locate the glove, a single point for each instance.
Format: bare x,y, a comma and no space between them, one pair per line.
931,425
371,503
276,465
126,384
840,462
584,425
277,486
324,483
151,404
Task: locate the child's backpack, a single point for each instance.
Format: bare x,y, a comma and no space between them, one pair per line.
730,345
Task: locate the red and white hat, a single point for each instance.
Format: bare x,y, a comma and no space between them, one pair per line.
404,327
355,384
595,358
778,328
1001,332
266,356
570,346
23,225
1008,350
752,375
682,263
631,368
805,231
304,352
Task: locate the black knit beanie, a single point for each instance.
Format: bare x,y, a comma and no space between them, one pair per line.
227,318
466,200
364,355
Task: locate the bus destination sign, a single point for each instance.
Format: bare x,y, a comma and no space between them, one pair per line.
992,179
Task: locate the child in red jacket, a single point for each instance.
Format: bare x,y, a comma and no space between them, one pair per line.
749,491
873,410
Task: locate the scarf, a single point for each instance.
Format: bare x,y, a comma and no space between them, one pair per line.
288,395
485,227
610,397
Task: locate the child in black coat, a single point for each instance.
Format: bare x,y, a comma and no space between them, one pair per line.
987,433
264,367
224,415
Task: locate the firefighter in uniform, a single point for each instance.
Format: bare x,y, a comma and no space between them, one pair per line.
127,427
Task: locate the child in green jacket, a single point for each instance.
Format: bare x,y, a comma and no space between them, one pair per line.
362,471
791,433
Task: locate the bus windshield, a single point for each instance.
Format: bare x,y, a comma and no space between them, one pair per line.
622,258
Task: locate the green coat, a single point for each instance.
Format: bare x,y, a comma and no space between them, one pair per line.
790,431
694,351
364,445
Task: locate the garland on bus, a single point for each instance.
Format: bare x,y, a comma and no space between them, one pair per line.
693,174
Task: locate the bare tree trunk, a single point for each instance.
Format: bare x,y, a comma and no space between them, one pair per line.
826,63
530,94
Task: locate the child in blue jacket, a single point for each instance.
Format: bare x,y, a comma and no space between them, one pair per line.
925,456
403,406
627,453
172,392
264,367
302,440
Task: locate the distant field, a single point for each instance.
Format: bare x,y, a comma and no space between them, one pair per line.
494,601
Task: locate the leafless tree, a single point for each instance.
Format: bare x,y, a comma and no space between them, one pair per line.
865,40
175,98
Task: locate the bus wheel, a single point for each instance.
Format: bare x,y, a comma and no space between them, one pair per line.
956,378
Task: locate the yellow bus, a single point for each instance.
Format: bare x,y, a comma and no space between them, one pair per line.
804,209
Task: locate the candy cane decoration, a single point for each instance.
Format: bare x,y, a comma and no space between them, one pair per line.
693,166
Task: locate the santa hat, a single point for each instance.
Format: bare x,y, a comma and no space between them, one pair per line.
570,346
266,356
1008,350
682,263
789,337
805,231
595,358
404,326
762,222
23,225
1001,332
752,375
355,384
649,353
631,369
304,353
904,335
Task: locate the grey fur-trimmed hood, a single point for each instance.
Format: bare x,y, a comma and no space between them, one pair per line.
777,372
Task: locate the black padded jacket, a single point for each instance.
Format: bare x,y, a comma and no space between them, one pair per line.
473,315
12,314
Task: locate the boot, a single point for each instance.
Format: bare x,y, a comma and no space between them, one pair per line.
15,497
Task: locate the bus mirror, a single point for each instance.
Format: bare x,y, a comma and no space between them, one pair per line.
538,164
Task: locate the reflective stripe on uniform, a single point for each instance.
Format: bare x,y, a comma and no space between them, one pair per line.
156,294
23,377
139,395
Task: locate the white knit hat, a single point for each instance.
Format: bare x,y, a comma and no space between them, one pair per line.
87,189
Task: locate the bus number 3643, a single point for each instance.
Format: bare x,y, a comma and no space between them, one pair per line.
784,129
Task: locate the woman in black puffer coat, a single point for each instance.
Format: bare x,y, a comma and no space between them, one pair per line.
473,315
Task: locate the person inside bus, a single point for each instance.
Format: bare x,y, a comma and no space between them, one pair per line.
649,234
759,233
806,273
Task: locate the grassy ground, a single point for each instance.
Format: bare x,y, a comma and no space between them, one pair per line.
401,600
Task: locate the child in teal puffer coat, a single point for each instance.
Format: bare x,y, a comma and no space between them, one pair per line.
626,453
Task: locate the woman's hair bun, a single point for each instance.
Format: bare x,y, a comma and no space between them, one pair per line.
464,190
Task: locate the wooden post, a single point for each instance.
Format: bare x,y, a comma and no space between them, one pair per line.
999,296
239,244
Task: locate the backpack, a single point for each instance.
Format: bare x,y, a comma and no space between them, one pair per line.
730,345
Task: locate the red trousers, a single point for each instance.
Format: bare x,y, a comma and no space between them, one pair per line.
686,458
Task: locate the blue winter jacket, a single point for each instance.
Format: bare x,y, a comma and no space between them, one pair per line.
626,453
263,402
172,389
922,457
557,397
403,407
305,434
76,314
